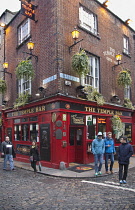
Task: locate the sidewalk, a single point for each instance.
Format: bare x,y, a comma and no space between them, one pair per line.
67,173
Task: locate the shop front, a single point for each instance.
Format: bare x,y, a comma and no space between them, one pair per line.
63,128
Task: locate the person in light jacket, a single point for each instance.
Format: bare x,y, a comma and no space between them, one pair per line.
109,152
98,149
125,151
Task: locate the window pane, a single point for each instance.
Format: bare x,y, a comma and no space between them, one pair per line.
33,132
25,132
17,132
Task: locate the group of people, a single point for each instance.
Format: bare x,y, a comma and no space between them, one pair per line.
105,148
8,153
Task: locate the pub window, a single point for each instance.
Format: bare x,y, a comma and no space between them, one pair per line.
34,132
24,31
88,20
126,45
17,120
24,119
91,126
17,131
25,132
92,78
33,118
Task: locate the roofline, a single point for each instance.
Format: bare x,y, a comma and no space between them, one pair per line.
101,4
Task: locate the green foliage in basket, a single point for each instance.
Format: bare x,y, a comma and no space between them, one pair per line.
124,78
94,95
25,70
80,63
128,104
3,86
21,100
116,124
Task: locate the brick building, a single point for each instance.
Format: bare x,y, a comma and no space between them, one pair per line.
60,118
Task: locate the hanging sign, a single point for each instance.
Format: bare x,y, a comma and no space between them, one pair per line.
28,9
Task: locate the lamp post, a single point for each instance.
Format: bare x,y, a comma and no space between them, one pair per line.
30,46
118,58
75,35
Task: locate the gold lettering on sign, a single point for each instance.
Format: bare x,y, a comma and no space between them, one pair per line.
90,109
77,120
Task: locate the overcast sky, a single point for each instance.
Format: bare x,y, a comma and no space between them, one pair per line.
124,9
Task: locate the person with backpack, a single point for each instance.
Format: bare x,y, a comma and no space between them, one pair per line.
98,149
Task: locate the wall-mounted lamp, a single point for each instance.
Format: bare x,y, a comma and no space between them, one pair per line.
128,21
5,66
118,58
75,35
105,3
41,90
4,102
30,46
2,25
115,98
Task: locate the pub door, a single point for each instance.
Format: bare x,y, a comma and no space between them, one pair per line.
45,152
76,145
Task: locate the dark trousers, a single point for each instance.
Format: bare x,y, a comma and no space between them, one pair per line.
123,176
33,165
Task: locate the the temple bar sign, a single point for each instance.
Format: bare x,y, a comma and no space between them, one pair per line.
28,9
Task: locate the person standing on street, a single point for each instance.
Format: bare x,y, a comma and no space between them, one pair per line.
34,155
8,152
125,151
98,149
109,152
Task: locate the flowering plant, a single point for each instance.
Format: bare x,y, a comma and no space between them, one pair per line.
116,123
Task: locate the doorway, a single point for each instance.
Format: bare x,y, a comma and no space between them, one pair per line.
76,145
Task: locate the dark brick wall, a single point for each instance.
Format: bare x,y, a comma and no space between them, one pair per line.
51,35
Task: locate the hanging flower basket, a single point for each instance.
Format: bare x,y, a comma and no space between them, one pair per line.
128,104
116,124
25,70
94,95
21,100
80,63
3,86
124,78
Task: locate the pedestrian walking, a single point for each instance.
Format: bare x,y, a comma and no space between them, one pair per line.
125,151
109,152
8,152
98,149
34,155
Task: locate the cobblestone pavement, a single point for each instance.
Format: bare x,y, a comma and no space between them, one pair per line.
20,190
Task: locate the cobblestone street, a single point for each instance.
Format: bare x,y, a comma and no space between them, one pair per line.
21,190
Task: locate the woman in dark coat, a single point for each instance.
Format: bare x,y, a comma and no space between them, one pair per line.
125,151
34,155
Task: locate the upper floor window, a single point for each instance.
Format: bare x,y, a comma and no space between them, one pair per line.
88,20
24,31
127,92
24,86
92,78
126,45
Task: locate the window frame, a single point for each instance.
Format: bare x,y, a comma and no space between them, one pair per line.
88,20
23,33
126,49
21,86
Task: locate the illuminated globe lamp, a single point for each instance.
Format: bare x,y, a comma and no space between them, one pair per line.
118,58
75,34
30,45
5,65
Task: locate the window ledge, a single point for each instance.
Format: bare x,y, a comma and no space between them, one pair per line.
19,45
89,32
128,55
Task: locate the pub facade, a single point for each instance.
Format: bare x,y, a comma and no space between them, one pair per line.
58,114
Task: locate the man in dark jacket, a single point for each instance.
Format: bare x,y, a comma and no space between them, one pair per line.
125,151
7,150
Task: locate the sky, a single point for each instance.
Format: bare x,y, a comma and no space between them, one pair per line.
125,9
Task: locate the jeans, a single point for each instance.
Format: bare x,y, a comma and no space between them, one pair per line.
98,158
107,157
123,176
10,159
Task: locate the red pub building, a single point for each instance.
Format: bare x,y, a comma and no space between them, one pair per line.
59,115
